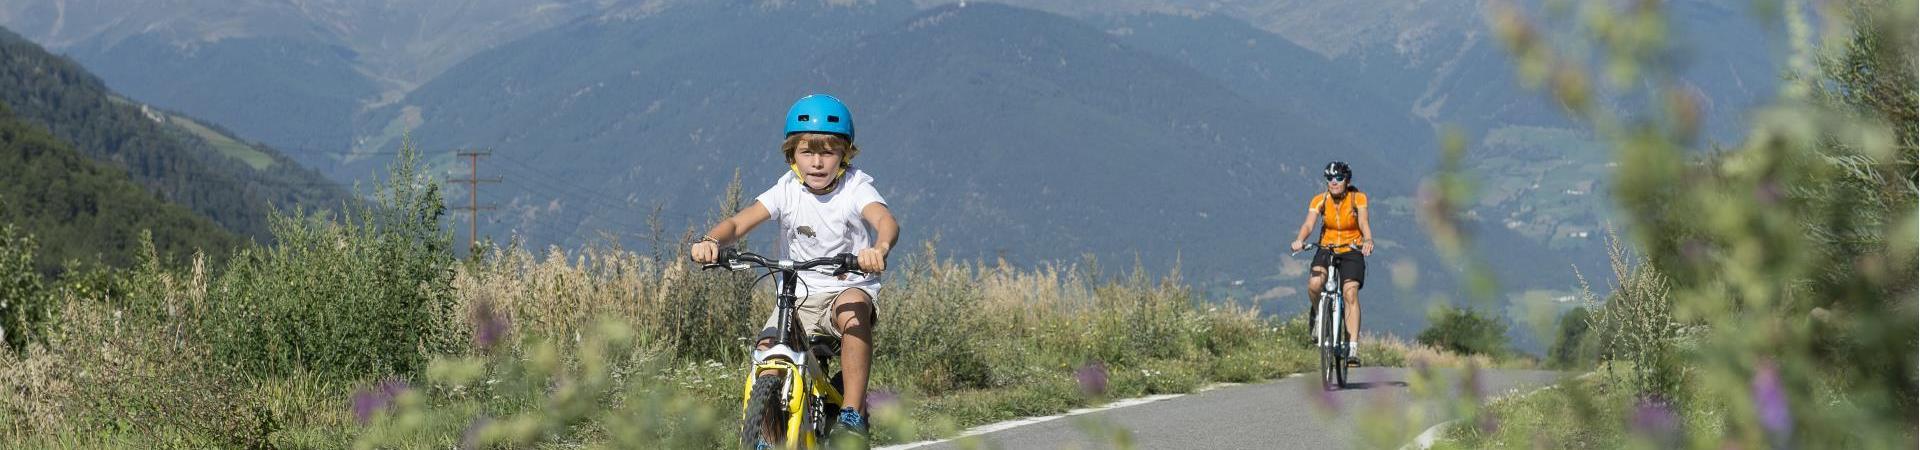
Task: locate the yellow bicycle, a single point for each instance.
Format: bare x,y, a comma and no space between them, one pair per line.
789,401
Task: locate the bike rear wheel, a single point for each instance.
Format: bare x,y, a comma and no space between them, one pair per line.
765,418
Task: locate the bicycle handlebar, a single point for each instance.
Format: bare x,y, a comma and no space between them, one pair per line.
1311,247
734,259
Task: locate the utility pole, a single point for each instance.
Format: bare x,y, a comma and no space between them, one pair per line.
473,207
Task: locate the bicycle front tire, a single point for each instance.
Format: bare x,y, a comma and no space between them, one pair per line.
1329,356
765,418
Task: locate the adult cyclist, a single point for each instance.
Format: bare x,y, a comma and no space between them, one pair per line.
1344,209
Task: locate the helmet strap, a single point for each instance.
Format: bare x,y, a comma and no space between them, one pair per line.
802,178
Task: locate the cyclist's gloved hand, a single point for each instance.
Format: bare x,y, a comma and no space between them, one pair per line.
874,259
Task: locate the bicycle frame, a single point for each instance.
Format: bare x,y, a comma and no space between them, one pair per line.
1331,296
805,386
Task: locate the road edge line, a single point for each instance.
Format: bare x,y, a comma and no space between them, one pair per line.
1016,423
1427,438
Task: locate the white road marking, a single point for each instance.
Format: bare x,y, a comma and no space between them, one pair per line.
993,427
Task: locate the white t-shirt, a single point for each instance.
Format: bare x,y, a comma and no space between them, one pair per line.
817,226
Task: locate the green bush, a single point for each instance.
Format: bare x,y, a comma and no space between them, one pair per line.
1465,331
23,297
371,293
1573,343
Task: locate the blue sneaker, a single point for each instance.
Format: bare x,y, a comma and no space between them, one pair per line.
852,424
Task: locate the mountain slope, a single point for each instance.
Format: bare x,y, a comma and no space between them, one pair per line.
1000,131
287,92
288,73
983,106
84,211
173,160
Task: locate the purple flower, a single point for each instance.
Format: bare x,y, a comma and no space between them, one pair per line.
1654,417
1770,400
1092,378
489,326
1489,423
1769,192
470,439
879,399
367,402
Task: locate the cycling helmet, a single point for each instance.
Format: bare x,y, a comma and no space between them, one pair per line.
1338,169
820,113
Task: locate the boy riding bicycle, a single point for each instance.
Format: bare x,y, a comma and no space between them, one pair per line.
824,207
1345,211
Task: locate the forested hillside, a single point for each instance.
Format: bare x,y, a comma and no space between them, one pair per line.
175,161
81,210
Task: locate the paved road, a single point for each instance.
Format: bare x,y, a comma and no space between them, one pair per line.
1274,414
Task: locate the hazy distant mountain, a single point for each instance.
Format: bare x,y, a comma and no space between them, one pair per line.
289,73
1005,132
1006,118
1438,59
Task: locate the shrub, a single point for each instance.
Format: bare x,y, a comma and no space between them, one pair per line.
371,293
23,296
1573,346
1466,331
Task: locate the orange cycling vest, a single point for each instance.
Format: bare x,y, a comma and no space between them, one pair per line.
1340,219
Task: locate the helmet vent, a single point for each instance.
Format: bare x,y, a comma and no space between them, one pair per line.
806,118
834,119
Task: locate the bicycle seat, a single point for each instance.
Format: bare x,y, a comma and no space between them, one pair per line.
823,347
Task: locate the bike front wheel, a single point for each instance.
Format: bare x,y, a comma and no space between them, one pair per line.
1329,352
765,418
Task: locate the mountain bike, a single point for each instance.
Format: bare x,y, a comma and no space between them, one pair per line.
789,401
1330,330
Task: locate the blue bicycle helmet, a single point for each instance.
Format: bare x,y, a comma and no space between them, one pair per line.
820,113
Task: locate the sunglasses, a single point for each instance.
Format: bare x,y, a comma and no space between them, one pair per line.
1337,178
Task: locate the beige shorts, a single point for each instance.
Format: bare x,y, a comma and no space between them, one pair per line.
815,313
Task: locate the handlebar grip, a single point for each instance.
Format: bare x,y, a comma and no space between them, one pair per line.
728,255
848,263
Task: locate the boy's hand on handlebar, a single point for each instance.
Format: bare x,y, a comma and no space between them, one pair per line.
873,259
704,252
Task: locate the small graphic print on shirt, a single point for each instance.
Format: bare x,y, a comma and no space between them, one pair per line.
805,230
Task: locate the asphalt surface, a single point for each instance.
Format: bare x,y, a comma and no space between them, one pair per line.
1288,413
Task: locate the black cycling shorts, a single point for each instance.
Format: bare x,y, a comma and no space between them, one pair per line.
1352,265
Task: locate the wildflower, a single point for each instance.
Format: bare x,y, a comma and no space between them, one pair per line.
470,439
367,402
881,399
1770,401
488,325
1655,417
1092,378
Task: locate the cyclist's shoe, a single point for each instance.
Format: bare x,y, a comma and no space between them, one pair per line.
762,445
851,432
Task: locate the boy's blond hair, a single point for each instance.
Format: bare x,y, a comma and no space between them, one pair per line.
833,141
